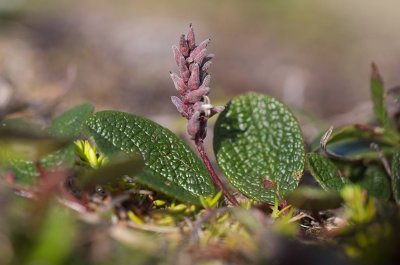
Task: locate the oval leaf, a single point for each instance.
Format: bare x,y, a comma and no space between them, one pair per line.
22,143
258,140
25,171
325,172
171,166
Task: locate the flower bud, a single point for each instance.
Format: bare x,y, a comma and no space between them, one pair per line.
179,84
206,81
199,48
194,80
183,69
179,105
200,56
177,54
196,95
206,66
190,38
183,46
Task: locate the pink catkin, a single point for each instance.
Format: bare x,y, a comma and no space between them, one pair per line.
192,84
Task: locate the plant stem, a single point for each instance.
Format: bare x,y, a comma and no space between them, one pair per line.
214,176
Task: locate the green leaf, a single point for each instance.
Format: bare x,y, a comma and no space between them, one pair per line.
70,123
64,158
353,142
378,100
325,172
171,166
25,172
314,199
257,140
375,182
23,142
396,177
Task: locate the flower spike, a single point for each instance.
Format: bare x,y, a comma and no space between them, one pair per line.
192,84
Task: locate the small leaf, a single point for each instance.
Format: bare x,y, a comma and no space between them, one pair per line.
25,171
378,99
61,158
325,172
396,177
314,199
22,143
357,131
171,166
257,140
70,123
375,182
354,142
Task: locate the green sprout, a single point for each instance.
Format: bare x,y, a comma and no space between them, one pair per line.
358,208
210,202
285,219
88,154
275,209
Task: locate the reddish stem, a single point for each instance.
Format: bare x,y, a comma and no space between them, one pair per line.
214,176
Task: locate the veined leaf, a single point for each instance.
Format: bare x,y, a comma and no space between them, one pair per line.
396,177
25,171
257,140
52,146
325,172
22,143
171,166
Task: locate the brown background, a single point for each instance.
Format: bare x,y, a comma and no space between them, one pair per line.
313,55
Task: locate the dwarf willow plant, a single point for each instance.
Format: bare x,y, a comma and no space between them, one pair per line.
258,145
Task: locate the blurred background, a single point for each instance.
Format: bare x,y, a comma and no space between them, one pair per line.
313,55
